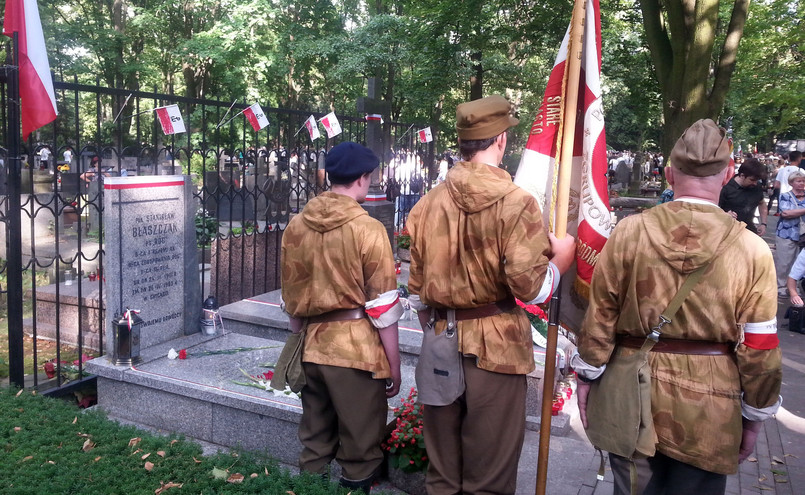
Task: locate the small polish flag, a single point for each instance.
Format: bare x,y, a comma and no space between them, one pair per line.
375,117
38,100
254,114
312,128
331,125
171,119
425,135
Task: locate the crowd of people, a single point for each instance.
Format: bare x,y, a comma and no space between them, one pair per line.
477,243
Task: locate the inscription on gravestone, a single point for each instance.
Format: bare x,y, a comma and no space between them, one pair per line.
151,261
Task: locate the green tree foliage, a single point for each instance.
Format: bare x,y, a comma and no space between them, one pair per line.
768,91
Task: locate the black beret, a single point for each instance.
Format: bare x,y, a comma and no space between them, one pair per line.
348,161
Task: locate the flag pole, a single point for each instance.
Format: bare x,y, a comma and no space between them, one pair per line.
571,86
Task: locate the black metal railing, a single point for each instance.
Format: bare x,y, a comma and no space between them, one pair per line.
248,184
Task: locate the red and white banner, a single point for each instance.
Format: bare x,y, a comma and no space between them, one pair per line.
425,135
312,128
374,117
171,119
331,125
38,100
254,114
588,213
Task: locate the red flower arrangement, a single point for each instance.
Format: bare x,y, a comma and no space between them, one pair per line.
406,443
537,317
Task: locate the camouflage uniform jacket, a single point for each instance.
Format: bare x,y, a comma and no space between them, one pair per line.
476,239
335,256
697,400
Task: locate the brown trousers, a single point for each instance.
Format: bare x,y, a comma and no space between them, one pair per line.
474,443
344,414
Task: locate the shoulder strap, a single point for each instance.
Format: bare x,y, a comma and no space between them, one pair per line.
674,305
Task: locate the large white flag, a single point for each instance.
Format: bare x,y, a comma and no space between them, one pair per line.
312,128
331,125
171,119
588,213
38,100
256,117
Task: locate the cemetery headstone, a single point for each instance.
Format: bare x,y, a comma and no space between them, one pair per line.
151,260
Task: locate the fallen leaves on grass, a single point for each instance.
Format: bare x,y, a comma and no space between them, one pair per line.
97,459
17,428
88,445
173,441
144,457
161,453
149,466
27,458
235,478
19,393
219,474
254,475
196,460
134,441
166,486
75,420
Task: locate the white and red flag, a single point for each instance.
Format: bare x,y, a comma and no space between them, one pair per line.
312,128
171,119
256,117
588,212
425,136
38,100
374,117
331,125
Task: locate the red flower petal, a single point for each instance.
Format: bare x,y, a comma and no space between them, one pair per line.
183,354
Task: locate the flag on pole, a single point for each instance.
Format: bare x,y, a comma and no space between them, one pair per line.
588,215
425,135
331,125
254,114
312,128
38,100
171,119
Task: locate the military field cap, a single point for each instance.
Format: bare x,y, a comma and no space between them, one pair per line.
348,161
702,151
484,118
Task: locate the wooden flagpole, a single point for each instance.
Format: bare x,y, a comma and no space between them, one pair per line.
571,93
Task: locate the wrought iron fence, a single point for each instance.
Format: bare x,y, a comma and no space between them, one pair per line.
248,184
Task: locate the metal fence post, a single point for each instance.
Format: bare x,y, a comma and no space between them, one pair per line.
14,229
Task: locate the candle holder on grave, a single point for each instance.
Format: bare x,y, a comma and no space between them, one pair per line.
126,339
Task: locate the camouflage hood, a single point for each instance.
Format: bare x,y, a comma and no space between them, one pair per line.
688,235
475,186
329,210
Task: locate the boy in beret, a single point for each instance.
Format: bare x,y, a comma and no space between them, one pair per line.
339,282
716,370
477,242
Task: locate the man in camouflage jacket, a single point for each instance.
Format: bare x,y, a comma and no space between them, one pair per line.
477,241
339,281
709,396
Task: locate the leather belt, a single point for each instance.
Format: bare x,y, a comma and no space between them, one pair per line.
338,315
679,346
490,309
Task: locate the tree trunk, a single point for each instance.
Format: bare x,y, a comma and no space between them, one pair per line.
682,48
477,79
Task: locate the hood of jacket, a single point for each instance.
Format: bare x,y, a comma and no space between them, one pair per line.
688,235
330,210
476,186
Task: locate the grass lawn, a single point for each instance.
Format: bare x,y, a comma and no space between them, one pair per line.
50,446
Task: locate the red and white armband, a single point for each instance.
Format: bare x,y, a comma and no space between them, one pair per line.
761,335
385,309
